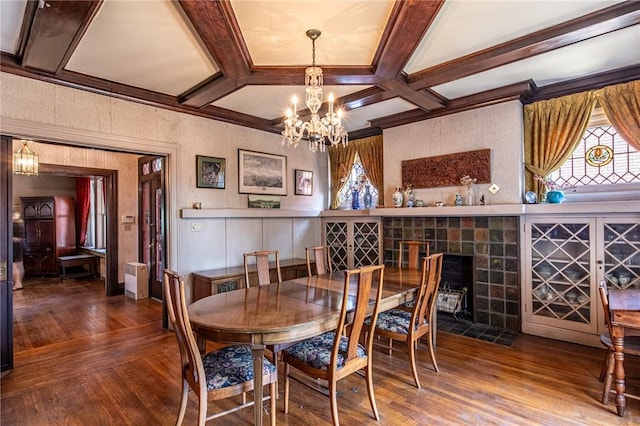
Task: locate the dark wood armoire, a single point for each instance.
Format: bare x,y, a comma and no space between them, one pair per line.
49,232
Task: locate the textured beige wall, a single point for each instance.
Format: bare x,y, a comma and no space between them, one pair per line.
52,113
498,127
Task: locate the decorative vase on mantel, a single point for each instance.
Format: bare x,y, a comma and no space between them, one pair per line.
355,200
397,197
555,196
367,197
469,195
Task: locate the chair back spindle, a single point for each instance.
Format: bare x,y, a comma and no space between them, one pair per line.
262,266
413,253
322,258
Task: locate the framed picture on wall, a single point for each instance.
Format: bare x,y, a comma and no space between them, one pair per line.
210,172
304,182
261,173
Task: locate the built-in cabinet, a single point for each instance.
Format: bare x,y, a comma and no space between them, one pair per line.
49,232
564,259
354,242
206,283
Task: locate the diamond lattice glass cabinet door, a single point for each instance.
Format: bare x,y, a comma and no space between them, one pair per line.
335,236
560,282
354,242
621,240
366,247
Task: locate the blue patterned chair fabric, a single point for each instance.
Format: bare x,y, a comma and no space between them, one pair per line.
316,351
231,366
393,320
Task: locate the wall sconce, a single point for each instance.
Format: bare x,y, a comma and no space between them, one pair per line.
25,161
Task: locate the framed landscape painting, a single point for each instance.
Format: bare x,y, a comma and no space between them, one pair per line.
210,172
261,173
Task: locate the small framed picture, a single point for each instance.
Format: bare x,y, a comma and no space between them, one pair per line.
259,201
304,182
210,172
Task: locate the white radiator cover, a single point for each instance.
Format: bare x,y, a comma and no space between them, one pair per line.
136,280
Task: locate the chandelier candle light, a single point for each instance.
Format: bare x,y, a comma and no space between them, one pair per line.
318,131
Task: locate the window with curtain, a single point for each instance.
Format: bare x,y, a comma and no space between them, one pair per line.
96,219
602,162
588,140
353,181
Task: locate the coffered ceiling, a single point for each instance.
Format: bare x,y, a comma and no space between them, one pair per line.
388,62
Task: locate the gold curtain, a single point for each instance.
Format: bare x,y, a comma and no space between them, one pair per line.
552,130
370,152
621,104
340,163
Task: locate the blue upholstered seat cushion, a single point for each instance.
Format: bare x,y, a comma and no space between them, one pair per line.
230,366
316,351
394,320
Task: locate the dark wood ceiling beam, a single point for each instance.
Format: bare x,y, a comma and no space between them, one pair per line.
294,76
55,32
580,29
490,97
216,25
408,23
365,97
422,99
592,82
209,91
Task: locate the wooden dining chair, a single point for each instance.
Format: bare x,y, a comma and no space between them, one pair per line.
322,258
631,346
410,327
262,266
218,374
413,262
337,354
413,253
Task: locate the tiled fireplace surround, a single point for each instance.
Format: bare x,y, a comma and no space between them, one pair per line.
493,240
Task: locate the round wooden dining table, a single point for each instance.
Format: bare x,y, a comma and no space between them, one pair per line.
286,312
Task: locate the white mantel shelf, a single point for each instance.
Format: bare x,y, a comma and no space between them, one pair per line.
579,209
590,209
245,213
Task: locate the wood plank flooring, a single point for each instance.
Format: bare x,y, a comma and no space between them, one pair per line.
82,358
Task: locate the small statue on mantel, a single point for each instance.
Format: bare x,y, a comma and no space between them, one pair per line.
408,195
482,200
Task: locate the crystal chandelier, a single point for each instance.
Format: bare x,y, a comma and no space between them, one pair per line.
318,131
25,161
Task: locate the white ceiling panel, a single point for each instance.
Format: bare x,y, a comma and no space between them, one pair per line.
11,12
271,102
144,44
465,27
604,53
275,34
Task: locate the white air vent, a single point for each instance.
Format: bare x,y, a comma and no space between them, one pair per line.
136,280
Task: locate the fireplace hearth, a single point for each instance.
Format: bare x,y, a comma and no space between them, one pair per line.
491,242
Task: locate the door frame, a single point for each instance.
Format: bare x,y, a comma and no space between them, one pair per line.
6,254
112,287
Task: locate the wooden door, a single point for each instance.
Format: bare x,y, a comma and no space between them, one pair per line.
152,228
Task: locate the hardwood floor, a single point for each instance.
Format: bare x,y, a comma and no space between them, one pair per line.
82,358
